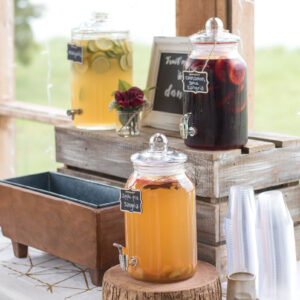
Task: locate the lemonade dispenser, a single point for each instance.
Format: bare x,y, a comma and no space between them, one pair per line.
160,216
100,56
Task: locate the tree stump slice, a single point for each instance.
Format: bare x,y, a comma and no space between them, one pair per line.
204,285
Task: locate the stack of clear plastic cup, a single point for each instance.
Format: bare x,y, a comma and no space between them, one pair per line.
276,248
240,231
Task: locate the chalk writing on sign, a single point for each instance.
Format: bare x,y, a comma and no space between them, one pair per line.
195,82
130,201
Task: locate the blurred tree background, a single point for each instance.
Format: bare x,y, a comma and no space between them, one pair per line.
24,39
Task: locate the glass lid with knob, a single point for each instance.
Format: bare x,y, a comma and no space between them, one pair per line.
158,155
214,32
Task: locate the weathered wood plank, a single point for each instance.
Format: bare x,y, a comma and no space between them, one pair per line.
7,88
191,15
212,171
34,112
254,146
214,255
280,140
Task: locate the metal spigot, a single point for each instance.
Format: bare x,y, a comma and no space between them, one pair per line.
185,130
73,112
123,258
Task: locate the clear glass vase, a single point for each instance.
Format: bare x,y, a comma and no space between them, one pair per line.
128,123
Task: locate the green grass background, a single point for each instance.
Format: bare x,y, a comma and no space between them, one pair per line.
277,96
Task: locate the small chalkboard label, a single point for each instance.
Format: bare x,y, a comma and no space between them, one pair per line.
75,53
195,82
131,201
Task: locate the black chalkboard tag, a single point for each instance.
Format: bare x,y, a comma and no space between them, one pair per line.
75,53
131,201
195,82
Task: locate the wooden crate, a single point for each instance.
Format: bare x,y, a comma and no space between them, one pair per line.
268,162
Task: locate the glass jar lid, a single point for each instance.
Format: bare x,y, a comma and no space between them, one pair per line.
214,33
100,23
158,155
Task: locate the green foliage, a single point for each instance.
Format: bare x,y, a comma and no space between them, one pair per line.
24,38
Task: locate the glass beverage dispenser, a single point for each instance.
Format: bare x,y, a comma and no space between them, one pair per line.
106,58
215,91
160,236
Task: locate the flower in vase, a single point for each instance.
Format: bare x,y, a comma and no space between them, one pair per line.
128,98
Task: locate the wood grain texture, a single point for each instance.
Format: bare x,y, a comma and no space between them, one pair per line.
215,255
204,285
253,146
213,172
191,15
34,112
280,140
7,88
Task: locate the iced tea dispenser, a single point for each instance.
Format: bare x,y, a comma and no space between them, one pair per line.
100,56
215,91
160,216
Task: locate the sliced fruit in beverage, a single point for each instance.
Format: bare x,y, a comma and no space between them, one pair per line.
123,63
236,72
80,68
100,64
92,47
128,46
224,100
111,54
220,69
174,274
104,44
129,60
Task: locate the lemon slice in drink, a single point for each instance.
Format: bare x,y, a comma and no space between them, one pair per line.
104,44
128,46
123,62
80,68
100,64
91,47
129,60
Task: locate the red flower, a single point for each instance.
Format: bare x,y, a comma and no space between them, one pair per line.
132,98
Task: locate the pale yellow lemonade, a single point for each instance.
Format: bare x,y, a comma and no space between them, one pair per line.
105,61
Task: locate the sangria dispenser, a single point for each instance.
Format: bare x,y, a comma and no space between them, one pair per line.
215,91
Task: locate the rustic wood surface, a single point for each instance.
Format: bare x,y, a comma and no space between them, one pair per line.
212,171
34,112
280,140
204,285
7,88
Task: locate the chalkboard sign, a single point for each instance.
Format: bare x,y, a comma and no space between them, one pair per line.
169,55
130,201
169,93
195,82
75,53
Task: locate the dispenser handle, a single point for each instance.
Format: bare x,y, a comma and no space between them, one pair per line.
73,112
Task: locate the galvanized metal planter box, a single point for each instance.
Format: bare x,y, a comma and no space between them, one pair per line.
72,218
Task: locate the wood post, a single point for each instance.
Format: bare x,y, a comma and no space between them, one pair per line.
7,93
237,16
